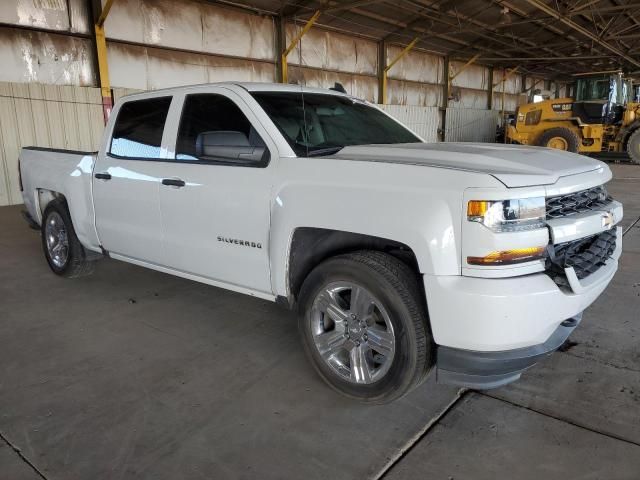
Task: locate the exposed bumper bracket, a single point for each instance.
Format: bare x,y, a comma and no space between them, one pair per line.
485,370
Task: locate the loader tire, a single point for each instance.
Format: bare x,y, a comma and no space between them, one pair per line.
559,138
633,146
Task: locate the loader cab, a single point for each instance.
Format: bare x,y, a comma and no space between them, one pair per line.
635,92
601,99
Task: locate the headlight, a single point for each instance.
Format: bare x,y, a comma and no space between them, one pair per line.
508,215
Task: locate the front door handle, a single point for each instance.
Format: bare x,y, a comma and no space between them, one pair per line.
174,182
103,176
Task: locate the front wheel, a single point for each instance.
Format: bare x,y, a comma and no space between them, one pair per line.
364,326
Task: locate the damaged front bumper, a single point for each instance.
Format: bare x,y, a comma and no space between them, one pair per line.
485,370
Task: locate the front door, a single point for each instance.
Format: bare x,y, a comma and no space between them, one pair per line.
126,184
215,196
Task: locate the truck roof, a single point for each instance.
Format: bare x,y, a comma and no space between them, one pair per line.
249,86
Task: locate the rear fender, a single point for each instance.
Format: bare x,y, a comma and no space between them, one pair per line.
50,175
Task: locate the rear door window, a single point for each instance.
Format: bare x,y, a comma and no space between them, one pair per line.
139,127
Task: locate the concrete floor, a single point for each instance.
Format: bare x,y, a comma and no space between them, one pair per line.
133,373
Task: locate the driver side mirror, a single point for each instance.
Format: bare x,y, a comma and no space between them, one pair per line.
230,146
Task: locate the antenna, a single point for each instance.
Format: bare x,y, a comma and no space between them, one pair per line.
305,135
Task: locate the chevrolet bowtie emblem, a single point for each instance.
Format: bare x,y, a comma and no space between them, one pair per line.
608,220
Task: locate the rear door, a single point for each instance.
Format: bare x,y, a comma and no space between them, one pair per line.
215,200
126,183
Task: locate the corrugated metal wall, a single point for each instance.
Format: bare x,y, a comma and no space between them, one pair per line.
471,125
512,88
160,43
46,57
44,116
71,117
322,58
416,79
163,43
424,121
470,87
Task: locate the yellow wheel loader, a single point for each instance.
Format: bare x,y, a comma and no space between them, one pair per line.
604,116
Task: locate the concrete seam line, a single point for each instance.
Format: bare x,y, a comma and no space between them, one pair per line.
630,227
560,419
419,436
21,455
600,362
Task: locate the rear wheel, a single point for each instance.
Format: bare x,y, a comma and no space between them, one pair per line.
633,146
64,253
559,138
364,326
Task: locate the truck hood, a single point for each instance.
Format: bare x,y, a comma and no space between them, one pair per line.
513,165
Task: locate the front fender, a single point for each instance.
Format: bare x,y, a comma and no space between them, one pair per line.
418,206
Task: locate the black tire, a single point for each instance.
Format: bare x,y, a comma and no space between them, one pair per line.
77,263
396,286
633,146
570,138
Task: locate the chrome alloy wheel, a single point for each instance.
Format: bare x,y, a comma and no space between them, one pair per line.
352,332
57,240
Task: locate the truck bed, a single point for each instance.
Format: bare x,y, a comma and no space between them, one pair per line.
47,172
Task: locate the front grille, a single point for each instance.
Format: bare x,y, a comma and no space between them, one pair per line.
577,202
585,255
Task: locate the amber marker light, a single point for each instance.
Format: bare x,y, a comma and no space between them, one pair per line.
477,208
509,257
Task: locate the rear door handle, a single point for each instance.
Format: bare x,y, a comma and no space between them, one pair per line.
103,176
174,182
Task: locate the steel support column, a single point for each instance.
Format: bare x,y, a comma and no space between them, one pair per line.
283,59
385,70
506,74
382,64
281,41
463,68
490,92
103,64
445,98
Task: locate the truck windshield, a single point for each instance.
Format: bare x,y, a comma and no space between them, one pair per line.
321,124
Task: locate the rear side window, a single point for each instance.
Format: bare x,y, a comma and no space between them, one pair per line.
213,128
138,129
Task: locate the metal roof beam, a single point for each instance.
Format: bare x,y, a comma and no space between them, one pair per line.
580,29
423,33
610,9
546,59
485,31
349,5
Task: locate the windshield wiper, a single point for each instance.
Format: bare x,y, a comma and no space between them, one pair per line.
325,151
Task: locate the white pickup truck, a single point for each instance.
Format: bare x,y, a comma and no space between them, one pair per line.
401,256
